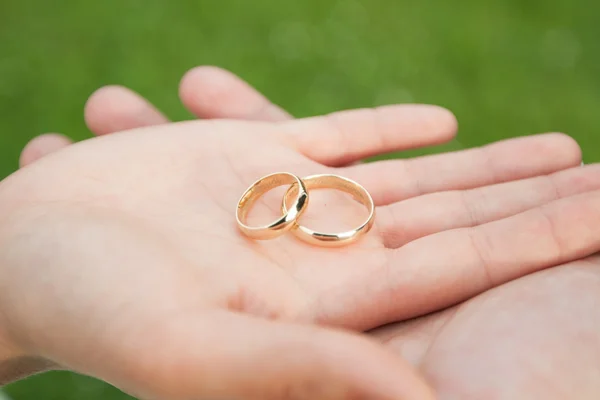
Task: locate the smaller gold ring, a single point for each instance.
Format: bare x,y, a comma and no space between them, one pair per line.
330,181
286,221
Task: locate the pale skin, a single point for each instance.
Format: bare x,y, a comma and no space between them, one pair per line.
121,258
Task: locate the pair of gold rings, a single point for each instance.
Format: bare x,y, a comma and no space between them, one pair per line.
292,210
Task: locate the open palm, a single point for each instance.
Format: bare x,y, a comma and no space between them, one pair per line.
152,223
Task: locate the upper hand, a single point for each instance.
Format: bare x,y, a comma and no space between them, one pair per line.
152,226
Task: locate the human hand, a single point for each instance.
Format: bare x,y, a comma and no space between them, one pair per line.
157,292
377,284
532,338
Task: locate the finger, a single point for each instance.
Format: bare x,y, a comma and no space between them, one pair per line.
211,92
395,180
469,261
344,137
409,220
116,108
41,146
237,356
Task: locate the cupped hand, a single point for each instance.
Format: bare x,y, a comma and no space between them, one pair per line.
532,338
135,272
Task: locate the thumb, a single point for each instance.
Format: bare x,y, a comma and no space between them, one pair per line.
233,356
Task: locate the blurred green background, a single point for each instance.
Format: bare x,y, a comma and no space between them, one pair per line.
506,68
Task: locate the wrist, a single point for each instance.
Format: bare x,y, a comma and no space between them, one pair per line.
7,352
16,365
15,362
8,356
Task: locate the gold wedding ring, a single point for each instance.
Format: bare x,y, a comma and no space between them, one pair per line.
330,181
292,210
287,220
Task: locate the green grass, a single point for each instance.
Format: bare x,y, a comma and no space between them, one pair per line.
506,68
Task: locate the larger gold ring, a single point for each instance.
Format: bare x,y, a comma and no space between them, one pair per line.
262,186
330,181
